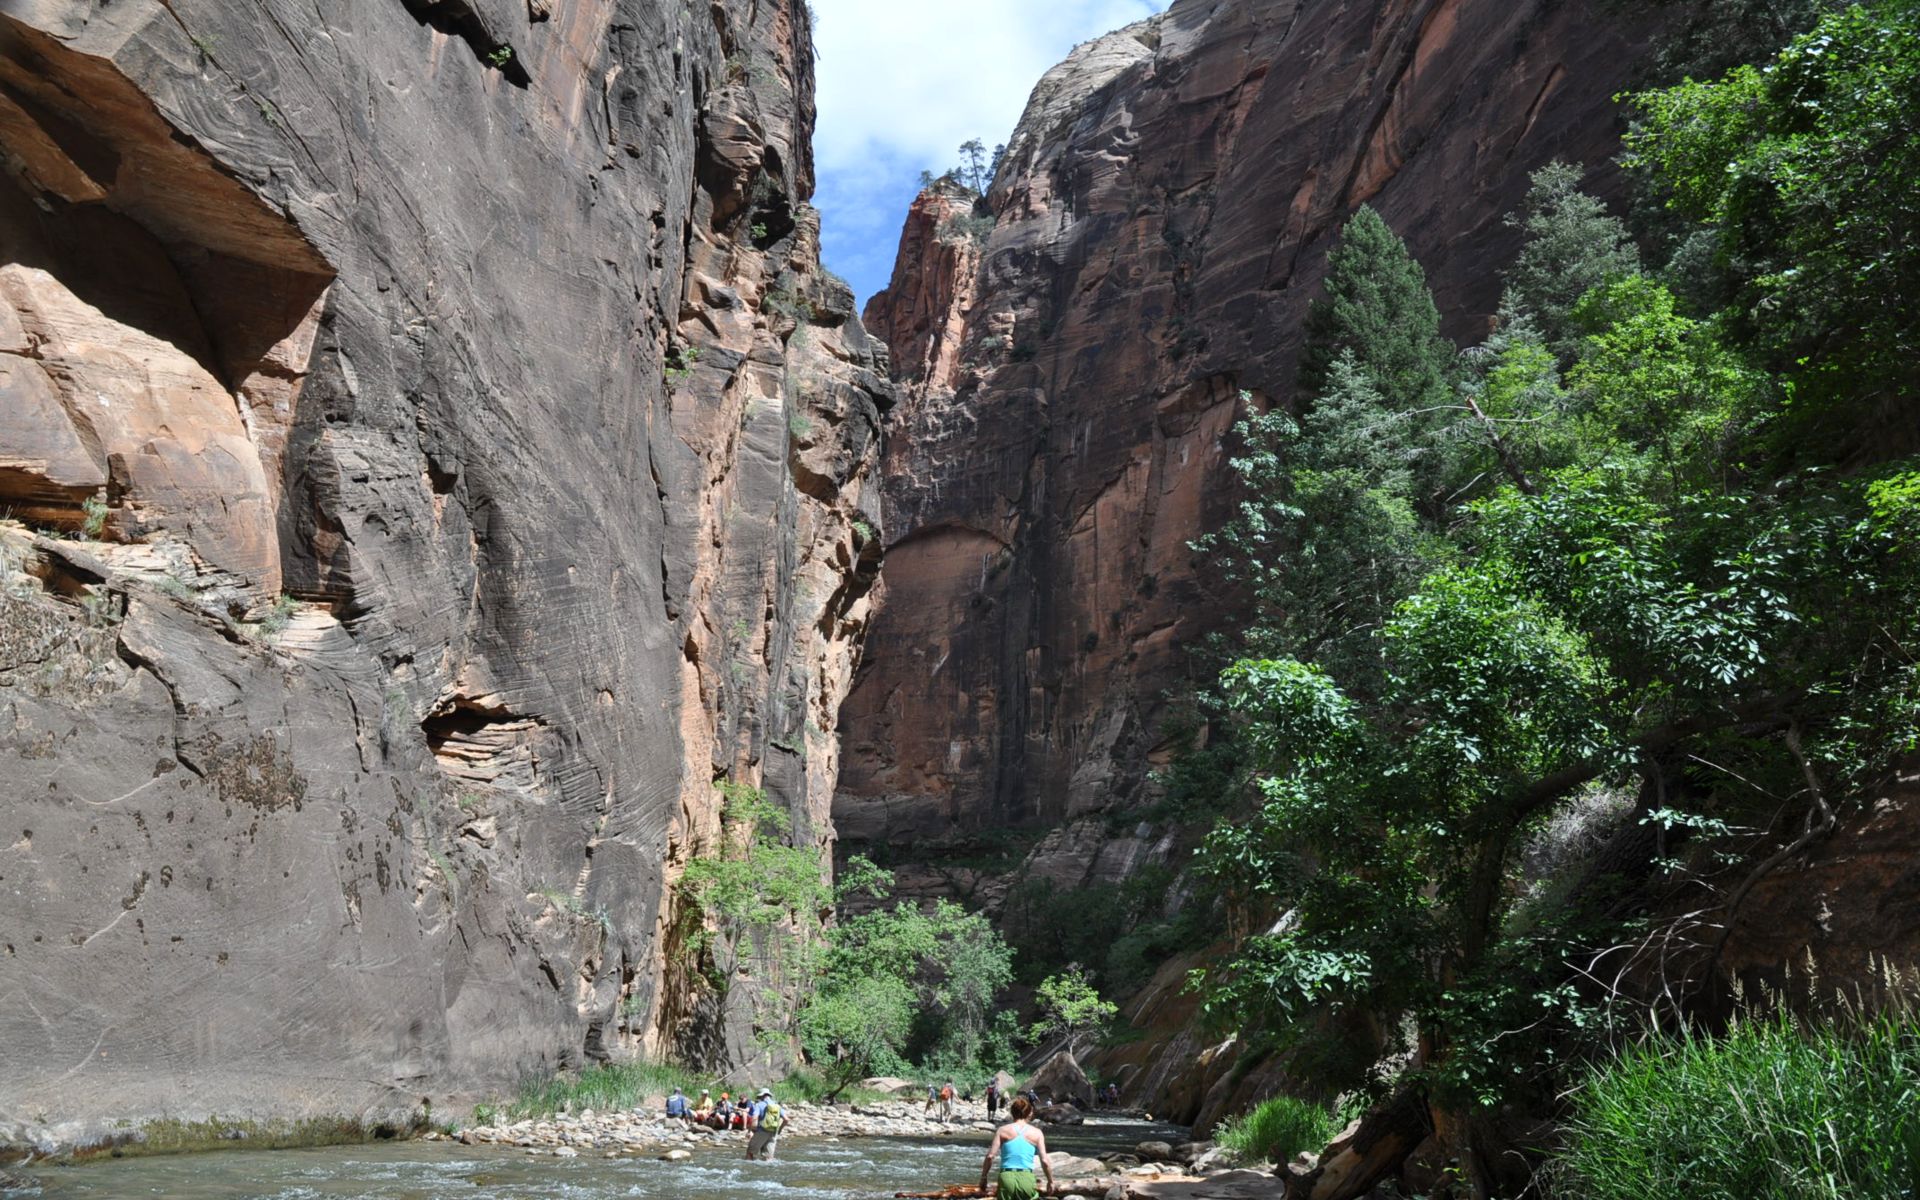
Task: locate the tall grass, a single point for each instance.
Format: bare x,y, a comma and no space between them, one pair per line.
617,1086
1769,1111
607,1087
1276,1130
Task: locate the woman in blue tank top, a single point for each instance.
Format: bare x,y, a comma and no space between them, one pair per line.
1019,1144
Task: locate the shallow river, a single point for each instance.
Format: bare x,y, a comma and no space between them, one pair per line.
810,1169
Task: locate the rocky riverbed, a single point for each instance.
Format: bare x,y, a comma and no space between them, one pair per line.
643,1159
1108,1167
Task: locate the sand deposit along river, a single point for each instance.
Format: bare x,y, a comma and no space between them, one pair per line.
811,1168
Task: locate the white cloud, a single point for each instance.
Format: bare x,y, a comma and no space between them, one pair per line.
903,82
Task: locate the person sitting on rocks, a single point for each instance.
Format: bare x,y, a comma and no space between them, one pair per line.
677,1109
703,1109
723,1112
1019,1144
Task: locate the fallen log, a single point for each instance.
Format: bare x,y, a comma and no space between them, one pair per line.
964,1191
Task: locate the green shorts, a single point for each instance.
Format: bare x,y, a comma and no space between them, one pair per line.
1018,1185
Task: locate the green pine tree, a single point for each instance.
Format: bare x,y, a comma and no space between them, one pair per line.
1573,246
1378,308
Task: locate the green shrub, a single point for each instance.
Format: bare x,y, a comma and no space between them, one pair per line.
1769,1111
680,364
94,510
808,1086
278,617
610,1087
1276,1130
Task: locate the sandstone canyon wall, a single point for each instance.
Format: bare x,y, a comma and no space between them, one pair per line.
1163,215
1069,384
432,455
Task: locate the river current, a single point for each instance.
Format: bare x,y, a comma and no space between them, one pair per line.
809,1169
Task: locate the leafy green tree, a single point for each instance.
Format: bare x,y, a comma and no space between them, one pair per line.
1377,308
1572,246
855,1028
1804,170
1647,607
1072,1009
1594,637
1662,383
897,969
1327,538
754,892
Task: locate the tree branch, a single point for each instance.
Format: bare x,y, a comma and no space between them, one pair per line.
1819,822
1508,462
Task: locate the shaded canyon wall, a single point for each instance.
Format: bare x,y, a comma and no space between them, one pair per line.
1163,215
430,455
1070,381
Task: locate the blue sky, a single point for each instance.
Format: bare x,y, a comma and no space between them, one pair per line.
903,82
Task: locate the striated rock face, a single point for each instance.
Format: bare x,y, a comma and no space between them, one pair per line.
1164,212
468,464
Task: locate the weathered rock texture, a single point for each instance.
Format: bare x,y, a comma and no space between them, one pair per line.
489,337
1164,212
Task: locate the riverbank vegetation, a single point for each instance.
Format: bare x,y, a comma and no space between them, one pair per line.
1770,1110
898,989
905,985
626,1086
1644,560
1275,1130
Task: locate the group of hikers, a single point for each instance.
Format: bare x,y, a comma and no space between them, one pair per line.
761,1117
1019,1144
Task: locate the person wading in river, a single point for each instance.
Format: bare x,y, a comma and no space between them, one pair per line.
1018,1145
766,1137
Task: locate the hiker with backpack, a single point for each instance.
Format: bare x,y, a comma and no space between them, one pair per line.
769,1120
946,1103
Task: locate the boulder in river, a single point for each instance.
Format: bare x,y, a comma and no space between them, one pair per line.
892,1085
1062,1081
1066,1165
1155,1151
1060,1114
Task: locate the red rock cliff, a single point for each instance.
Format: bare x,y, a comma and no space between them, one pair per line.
1164,211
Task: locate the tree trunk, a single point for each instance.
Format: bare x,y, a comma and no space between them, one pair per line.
1454,1130
1369,1151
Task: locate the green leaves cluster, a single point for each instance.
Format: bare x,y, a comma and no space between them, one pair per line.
1072,1009
756,881
902,980
1801,170
753,898
1570,562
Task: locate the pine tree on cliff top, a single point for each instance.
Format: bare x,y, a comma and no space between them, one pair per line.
1378,308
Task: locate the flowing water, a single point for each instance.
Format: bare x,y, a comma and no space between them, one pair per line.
809,1169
